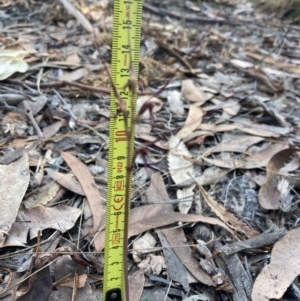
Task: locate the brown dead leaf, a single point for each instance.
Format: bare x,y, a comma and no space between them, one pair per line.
269,196
292,68
157,191
258,74
234,143
275,278
143,245
257,160
176,238
149,217
61,217
73,59
227,217
42,196
88,185
231,107
66,180
159,143
17,153
73,75
136,285
14,182
186,194
191,92
52,129
247,126
197,136
192,122
69,281
212,175
260,129
211,127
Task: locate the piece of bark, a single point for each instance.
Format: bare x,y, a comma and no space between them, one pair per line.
176,237
218,276
259,241
241,280
176,269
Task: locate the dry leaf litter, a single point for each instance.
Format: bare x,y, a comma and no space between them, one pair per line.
215,202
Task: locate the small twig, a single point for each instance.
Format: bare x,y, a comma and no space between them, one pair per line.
167,292
71,84
78,15
30,116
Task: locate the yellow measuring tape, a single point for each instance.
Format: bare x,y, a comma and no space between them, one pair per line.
125,53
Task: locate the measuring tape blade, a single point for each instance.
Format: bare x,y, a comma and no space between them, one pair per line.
125,51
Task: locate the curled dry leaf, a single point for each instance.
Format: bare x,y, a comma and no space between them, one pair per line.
14,182
257,73
12,61
157,264
275,278
191,92
142,245
192,122
157,142
269,195
42,196
226,216
52,129
142,128
212,175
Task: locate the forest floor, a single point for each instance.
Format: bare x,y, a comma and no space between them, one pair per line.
215,196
